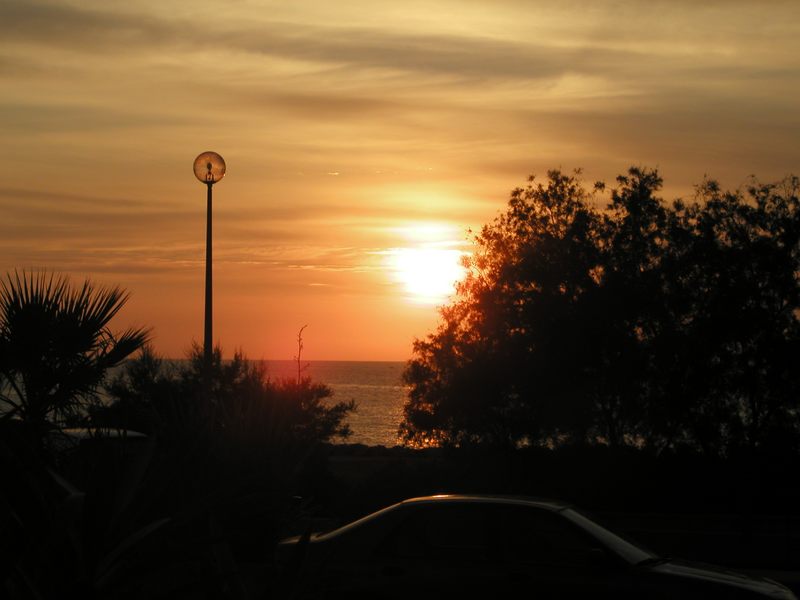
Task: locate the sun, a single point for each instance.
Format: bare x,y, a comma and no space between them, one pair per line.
429,275
430,263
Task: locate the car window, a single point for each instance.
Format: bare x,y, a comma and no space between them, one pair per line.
627,549
535,535
456,531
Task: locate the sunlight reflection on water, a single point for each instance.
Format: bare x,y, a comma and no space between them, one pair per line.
376,387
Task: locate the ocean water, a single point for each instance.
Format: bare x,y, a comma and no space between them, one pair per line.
376,387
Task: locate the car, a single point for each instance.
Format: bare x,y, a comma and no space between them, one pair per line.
463,546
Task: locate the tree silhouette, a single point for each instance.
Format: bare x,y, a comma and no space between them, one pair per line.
56,346
735,303
495,369
641,324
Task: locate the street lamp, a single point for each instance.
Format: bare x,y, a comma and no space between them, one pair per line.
209,168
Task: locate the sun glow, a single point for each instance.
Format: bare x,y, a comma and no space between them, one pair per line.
431,266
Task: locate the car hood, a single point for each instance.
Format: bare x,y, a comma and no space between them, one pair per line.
722,576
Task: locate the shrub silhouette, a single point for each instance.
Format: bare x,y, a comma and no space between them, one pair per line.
154,396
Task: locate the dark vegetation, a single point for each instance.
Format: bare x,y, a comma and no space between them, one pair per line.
55,349
88,510
629,355
638,358
662,327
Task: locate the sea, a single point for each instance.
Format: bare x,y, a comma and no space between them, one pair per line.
376,387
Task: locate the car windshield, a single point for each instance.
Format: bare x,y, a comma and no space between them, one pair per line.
627,550
362,521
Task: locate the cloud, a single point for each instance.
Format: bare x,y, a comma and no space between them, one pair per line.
68,26
381,76
60,117
325,105
372,49
428,112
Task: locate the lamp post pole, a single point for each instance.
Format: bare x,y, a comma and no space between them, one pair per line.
209,168
208,337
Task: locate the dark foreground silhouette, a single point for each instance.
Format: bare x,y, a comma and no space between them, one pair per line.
460,546
640,361
640,323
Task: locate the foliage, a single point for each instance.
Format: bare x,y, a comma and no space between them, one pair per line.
56,346
172,512
239,452
642,324
154,396
165,514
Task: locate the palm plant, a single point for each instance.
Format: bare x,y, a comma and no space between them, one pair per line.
56,346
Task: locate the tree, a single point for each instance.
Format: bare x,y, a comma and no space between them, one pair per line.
56,347
737,298
495,369
640,324
154,396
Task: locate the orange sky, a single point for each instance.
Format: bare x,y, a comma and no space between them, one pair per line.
362,139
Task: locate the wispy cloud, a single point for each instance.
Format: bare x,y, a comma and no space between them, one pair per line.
344,122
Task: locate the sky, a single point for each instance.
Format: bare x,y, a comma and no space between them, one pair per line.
362,140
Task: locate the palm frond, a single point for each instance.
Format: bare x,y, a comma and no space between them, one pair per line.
55,341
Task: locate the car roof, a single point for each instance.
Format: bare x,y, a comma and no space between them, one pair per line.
553,505
444,499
